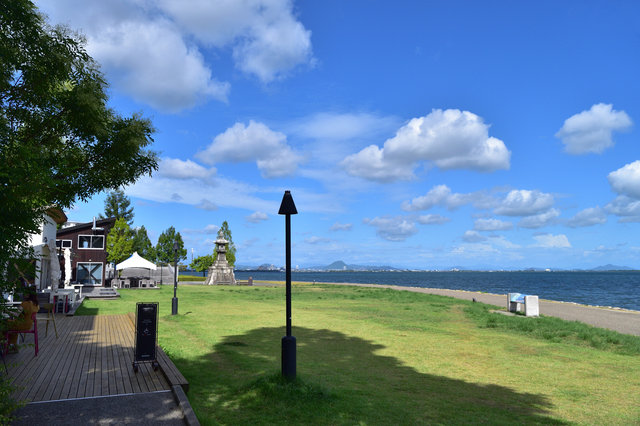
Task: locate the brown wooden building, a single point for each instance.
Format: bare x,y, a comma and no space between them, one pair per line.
88,243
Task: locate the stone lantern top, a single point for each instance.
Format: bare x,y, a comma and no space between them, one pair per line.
221,243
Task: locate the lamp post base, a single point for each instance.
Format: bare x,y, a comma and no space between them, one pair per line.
174,306
289,357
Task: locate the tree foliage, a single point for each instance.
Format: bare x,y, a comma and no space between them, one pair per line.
119,206
202,263
231,247
119,242
142,244
164,248
59,140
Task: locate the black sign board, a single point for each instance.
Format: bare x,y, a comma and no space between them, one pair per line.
146,331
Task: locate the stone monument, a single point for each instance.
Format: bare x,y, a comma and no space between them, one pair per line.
221,273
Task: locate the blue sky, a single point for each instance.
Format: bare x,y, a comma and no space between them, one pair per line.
412,134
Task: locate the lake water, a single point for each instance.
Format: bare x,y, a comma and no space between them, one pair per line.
618,289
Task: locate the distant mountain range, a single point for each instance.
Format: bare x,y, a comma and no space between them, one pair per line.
342,266
610,267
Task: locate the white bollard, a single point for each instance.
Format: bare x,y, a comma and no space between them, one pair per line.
531,306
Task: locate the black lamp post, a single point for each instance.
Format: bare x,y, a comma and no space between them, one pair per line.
288,208
174,301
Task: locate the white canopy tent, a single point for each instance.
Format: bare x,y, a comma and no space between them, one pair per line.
134,264
136,261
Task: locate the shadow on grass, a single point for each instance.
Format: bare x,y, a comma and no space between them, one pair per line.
341,380
84,311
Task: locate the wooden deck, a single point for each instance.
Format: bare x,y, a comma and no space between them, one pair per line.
91,357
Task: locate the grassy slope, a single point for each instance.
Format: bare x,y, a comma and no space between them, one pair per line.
379,357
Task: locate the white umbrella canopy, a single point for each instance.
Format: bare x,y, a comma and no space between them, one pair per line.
55,272
136,261
67,267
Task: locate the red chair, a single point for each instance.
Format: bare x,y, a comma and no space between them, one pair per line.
33,331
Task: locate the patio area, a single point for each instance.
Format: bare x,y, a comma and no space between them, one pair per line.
91,357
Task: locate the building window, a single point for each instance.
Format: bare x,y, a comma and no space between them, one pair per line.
91,241
89,273
63,244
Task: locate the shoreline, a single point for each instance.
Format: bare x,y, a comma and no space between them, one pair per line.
417,289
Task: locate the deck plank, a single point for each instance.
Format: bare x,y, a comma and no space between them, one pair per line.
74,358
84,334
116,385
47,360
66,360
92,356
89,366
122,352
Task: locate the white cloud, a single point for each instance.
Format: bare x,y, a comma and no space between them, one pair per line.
250,242
450,139
341,227
174,168
317,240
206,205
393,228
626,180
588,217
227,193
540,220
552,241
256,217
256,142
591,131
151,49
479,200
436,196
440,195
491,225
500,241
627,209
524,203
266,38
629,219
432,219
473,237
150,61
207,230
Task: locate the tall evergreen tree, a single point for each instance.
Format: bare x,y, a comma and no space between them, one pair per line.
231,247
119,206
119,242
164,248
142,244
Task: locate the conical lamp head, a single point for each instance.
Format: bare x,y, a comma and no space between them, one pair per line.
287,206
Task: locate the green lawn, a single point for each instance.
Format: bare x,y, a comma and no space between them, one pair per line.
368,356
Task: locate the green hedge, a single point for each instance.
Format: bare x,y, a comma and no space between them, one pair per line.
190,278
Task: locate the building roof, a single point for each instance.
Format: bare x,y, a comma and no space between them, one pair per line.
99,223
57,215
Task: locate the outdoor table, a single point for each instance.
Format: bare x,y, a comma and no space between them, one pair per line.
66,295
